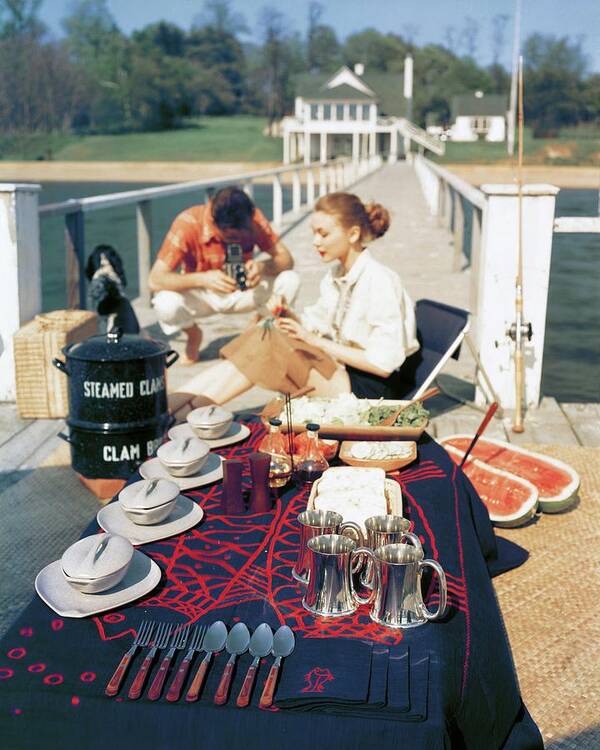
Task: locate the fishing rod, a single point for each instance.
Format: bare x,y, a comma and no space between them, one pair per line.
519,330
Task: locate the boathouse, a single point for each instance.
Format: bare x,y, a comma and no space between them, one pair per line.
479,116
352,113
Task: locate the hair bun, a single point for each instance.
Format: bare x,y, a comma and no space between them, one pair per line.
379,219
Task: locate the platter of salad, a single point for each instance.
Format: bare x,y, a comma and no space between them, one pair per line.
347,417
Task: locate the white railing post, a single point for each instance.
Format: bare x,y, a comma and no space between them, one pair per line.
496,284
332,179
144,243
21,277
310,187
296,192
277,202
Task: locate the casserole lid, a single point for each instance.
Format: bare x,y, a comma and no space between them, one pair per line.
96,556
206,416
183,451
148,494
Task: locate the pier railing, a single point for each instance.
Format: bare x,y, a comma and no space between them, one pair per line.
20,215
317,178
485,225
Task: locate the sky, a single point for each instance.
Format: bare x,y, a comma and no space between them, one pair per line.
424,22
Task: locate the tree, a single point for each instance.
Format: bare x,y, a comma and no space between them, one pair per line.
499,23
469,36
19,17
385,52
166,37
218,14
554,72
323,50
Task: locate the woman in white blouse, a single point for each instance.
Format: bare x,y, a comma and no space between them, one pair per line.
363,318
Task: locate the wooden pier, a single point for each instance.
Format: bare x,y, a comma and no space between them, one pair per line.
43,505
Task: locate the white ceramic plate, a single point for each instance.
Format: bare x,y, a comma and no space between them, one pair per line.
235,434
210,472
184,515
143,575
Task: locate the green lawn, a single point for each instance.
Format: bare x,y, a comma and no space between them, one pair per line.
568,150
206,139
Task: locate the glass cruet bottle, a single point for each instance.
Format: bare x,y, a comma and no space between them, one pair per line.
274,443
311,463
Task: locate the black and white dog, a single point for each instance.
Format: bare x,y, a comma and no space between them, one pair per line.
106,275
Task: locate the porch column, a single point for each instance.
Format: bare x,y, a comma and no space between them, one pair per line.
355,147
393,145
287,137
323,148
307,147
372,143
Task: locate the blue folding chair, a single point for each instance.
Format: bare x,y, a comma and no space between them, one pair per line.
440,330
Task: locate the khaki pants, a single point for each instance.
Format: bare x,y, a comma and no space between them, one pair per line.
177,310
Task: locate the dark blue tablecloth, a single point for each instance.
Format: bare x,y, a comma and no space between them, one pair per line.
349,683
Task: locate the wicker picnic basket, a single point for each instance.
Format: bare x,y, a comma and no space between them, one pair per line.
41,388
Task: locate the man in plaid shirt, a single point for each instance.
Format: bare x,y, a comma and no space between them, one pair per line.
188,277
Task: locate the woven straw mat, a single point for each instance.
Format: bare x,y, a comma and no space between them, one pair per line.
551,608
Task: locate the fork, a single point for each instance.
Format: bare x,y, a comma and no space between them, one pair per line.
142,639
178,641
159,641
195,645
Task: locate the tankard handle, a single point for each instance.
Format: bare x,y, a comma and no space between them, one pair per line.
358,554
443,589
413,539
360,540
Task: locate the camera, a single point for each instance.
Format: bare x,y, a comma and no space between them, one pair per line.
234,264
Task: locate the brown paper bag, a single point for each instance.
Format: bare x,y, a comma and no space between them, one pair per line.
270,358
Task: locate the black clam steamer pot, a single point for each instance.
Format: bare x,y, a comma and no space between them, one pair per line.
118,411
114,451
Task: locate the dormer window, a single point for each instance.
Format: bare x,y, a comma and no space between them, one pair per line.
339,111
314,111
327,111
352,111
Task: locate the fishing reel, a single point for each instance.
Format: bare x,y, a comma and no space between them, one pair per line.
526,331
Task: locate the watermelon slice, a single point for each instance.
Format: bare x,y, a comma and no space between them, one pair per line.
510,500
556,481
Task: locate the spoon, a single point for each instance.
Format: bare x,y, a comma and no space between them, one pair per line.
261,644
390,420
214,641
283,645
237,643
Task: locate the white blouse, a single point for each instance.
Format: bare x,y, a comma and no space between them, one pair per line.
367,308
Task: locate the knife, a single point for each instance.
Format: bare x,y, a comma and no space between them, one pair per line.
261,644
237,643
283,645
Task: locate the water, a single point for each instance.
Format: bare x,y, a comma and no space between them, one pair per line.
571,369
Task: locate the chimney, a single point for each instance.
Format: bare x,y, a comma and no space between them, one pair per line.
359,69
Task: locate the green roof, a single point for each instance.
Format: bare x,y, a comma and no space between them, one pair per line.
388,88
487,105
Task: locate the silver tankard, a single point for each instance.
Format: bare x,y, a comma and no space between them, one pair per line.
315,523
330,592
382,530
398,599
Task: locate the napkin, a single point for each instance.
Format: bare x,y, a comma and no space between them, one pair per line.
324,672
355,678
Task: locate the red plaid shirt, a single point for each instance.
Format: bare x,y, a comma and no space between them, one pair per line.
195,243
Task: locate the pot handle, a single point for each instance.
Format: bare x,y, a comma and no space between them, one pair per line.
443,589
60,365
66,438
361,552
171,357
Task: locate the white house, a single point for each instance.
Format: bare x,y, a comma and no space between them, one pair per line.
350,113
479,115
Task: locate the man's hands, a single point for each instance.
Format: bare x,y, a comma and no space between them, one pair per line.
218,281
254,272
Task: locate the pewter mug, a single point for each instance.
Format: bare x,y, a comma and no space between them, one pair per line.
382,530
315,523
330,591
398,599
